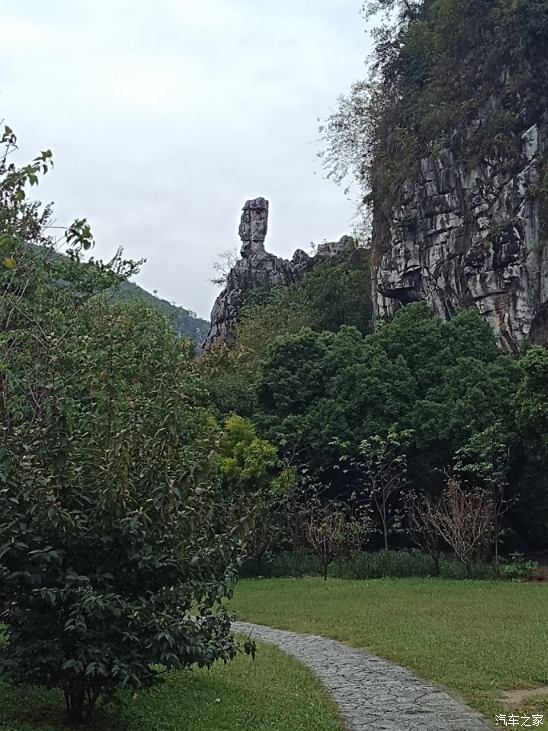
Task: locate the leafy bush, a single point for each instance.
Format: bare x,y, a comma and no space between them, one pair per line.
520,568
115,543
402,564
279,565
378,565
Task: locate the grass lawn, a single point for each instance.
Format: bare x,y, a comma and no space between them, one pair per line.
272,693
477,638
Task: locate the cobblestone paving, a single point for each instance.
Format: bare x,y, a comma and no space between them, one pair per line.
372,694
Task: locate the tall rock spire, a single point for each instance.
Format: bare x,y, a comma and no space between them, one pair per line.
253,226
259,268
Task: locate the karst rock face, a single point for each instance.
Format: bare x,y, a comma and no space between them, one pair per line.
253,227
258,268
464,235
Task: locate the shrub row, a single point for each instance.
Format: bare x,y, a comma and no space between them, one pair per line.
366,565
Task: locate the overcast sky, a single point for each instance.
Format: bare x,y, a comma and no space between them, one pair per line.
165,116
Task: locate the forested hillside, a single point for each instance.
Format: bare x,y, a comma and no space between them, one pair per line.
186,323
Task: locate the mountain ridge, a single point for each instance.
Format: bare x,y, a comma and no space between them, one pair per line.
186,322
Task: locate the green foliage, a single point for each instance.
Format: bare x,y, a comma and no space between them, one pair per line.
406,564
294,563
274,693
185,323
519,568
257,483
317,395
281,311
115,540
461,74
485,458
231,370
445,381
532,396
366,565
244,460
530,473
230,376
382,467
115,530
341,295
326,299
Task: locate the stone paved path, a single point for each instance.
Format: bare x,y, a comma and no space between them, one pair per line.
372,694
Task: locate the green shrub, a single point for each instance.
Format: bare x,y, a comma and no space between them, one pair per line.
116,543
366,565
519,568
289,563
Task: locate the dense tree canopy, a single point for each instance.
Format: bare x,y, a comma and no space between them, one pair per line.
469,408
442,380
326,299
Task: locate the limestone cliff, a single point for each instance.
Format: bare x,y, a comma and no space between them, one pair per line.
463,236
258,268
456,161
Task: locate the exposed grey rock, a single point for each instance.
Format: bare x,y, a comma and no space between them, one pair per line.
460,237
258,268
253,226
372,693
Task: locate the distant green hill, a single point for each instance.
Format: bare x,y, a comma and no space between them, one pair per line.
186,322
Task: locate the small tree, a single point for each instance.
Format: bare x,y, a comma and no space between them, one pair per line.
225,264
485,459
115,539
463,519
330,533
383,471
420,530
256,483
267,525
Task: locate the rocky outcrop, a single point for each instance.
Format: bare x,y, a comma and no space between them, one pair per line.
463,235
253,227
258,268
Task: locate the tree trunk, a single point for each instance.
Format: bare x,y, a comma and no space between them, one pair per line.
436,564
385,537
74,698
325,567
496,556
93,695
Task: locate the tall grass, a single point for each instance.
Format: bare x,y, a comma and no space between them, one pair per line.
367,565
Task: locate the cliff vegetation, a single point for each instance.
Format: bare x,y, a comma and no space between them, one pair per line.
439,66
